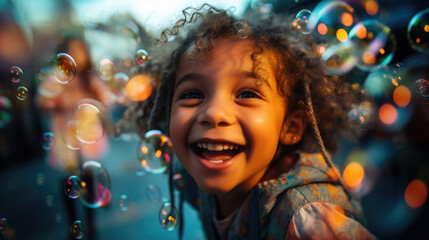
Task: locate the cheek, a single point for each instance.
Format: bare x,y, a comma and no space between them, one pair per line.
180,120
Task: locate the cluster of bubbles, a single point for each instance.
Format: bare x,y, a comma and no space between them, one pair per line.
155,152
92,187
347,41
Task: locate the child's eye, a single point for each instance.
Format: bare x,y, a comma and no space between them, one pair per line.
247,93
192,94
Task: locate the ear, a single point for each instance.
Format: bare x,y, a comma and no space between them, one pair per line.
293,127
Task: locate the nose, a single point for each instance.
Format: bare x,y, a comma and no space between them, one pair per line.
216,112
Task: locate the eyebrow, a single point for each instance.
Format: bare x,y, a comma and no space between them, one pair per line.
249,74
188,77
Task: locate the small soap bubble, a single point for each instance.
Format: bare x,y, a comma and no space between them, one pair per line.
5,111
40,179
58,218
76,229
423,89
48,140
106,69
3,225
339,59
301,21
375,44
168,216
141,57
22,93
95,190
155,152
153,193
178,182
64,69
89,123
418,31
243,33
123,202
139,169
72,187
15,74
50,200
361,114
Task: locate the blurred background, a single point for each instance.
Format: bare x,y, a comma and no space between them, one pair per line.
72,165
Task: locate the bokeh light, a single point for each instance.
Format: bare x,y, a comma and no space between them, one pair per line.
15,74
138,88
95,185
416,193
375,44
402,96
155,152
387,114
353,175
64,68
168,216
418,31
76,230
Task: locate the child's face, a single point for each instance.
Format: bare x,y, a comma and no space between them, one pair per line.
225,123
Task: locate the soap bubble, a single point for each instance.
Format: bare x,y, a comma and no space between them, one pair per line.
15,74
3,225
95,186
168,216
375,44
22,93
418,31
339,59
77,229
47,140
179,182
153,193
64,69
123,202
378,83
141,57
301,21
155,152
423,89
72,187
361,114
89,123
50,200
69,135
106,69
40,179
331,21
5,111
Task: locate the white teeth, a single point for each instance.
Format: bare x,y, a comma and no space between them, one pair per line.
216,161
216,146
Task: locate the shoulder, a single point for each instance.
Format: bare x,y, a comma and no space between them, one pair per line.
323,220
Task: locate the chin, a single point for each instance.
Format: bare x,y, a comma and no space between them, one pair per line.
214,187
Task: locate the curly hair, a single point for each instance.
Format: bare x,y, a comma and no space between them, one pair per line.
301,80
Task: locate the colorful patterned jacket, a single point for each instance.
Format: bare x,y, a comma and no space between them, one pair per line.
304,203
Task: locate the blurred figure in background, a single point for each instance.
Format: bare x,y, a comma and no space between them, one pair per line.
61,100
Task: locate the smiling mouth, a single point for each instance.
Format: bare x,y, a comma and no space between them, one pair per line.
216,152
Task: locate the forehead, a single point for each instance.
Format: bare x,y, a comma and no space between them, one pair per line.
226,54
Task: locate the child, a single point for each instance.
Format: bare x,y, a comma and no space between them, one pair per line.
245,104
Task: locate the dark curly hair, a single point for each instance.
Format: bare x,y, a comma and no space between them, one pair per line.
301,79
